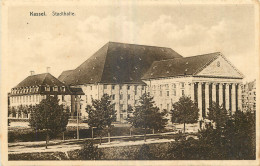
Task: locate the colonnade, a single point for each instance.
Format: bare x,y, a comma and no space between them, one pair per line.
227,95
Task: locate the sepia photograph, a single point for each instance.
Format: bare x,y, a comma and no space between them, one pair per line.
124,82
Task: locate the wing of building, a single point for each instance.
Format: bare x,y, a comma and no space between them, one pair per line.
35,88
126,71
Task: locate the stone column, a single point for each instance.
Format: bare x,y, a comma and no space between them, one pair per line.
187,87
213,92
233,98
200,99
206,98
227,96
239,97
220,96
178,91
192,91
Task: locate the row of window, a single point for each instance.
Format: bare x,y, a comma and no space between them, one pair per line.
36,89
120,87
168,93
167,86
22,99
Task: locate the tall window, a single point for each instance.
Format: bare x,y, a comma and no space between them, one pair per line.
105,86
113,86
121,107
174,92
160,93
182,92
182,84
128,87
167,93
128,96
121,96
113,97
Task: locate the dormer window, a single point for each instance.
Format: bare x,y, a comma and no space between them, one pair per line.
55,88
47,88
63,89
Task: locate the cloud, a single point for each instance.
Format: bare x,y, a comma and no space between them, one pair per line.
62,50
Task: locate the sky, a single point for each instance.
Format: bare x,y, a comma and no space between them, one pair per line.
63,43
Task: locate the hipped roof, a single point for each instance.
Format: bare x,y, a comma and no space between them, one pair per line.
117,63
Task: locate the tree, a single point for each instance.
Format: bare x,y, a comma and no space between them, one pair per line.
101,114
146,115
48,115
184,111
217,114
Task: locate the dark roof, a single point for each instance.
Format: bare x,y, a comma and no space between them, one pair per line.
40,80
179,66
77,91
118,63
64,74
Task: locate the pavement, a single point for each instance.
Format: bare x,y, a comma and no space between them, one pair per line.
16,148
73,144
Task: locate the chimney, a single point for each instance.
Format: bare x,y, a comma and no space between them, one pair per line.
48,69
32,73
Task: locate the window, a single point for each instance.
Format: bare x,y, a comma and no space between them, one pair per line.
182,92
63,97
182,85
121,96
135,92
47,88
135,87
148,93
113,97
90,87
174,85
142,87
160,93
113,86
91,97
128,96
128,87
167,86
167,93
105,86
174,92
121,107
55,88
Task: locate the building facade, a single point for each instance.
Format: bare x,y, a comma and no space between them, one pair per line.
33,89
249,96
126,71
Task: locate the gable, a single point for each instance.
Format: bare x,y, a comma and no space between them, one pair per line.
220,67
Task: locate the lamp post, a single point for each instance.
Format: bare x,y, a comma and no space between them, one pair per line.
77,117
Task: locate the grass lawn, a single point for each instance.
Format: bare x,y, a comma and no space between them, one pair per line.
157,151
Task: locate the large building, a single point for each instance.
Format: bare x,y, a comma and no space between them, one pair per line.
249,96
126,71
36,87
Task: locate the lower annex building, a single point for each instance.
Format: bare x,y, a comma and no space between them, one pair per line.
126,71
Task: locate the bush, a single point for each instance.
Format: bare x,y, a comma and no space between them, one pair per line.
145,153
89,152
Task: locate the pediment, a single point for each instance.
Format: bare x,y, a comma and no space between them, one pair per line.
220,67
